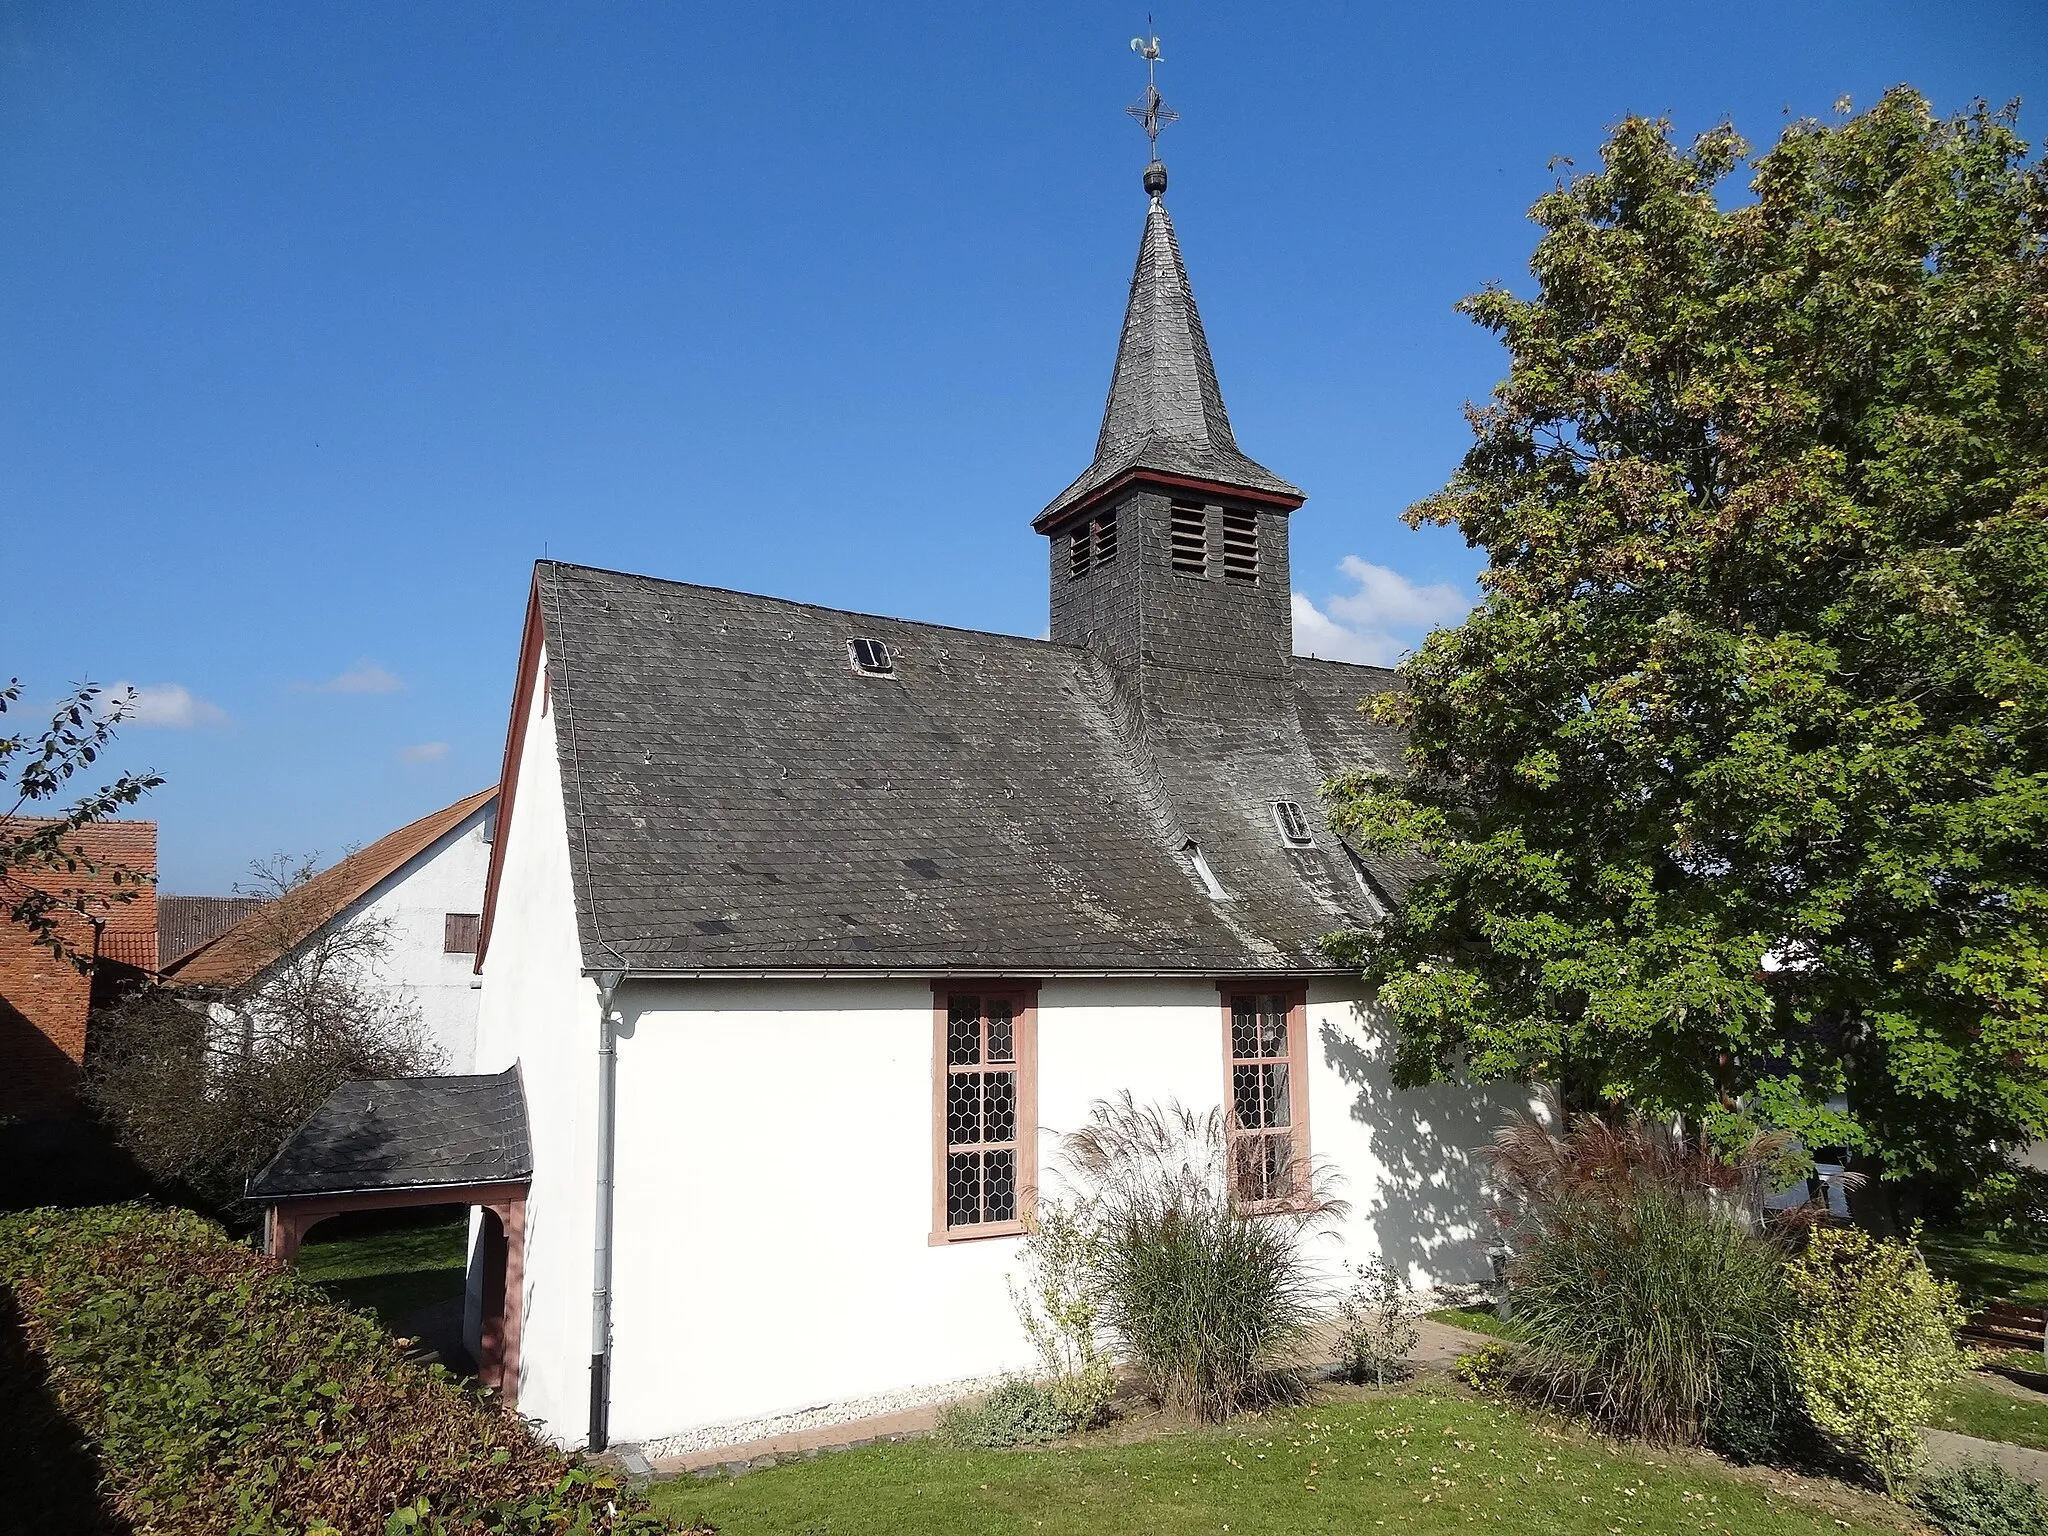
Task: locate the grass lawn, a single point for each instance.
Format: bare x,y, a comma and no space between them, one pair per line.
392,1269
1981,1409
1474,1320
1427,1459
1989,1268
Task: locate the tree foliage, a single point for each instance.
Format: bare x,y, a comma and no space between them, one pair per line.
1734,790
203,1091
40,860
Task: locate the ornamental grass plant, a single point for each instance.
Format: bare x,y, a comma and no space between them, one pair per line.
1645,1289
1210,1295
1659,1315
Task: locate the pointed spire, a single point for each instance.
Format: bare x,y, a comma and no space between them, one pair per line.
1165,411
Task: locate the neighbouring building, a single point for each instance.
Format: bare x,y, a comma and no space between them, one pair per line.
808,932
184,923
423,884
45,1000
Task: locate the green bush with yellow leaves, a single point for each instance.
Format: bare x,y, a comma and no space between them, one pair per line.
1870,1344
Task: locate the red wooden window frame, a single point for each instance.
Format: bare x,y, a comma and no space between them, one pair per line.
1022,998
1250,1135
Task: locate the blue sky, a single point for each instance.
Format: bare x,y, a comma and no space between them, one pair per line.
320,322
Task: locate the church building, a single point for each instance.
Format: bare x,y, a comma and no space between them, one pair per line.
809,932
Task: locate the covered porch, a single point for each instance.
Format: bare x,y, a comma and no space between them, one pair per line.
410,1143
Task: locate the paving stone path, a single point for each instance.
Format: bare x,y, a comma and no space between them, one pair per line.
1947,1448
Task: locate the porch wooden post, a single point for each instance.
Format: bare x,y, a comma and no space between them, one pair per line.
499,1343
287,1226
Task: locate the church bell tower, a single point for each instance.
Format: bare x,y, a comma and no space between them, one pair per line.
1169,553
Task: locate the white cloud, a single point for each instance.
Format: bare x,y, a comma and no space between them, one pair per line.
364,677
1317,634
425,752
1390,600
1385,616
171,706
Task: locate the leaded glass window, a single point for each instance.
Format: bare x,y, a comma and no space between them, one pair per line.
1265,1138
983,1110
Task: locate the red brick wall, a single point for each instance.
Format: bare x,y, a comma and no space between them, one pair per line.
44,1000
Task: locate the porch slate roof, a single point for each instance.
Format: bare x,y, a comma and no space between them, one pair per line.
404,1133
741,798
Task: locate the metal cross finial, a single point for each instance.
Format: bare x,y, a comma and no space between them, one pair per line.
1151,109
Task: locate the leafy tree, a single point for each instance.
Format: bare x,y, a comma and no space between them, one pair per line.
203,1090
1734,791
39,854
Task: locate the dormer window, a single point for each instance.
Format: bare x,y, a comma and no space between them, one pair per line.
871,657
1294,830
1199,868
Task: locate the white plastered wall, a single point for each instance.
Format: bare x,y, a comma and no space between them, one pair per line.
1407,1158
413,903
539,1012
773,1262
409,964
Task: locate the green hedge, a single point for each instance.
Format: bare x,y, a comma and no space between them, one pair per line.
223,1394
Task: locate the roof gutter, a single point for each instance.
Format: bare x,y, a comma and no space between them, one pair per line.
385,1189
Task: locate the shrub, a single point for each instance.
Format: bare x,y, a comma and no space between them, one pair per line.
1981,1498
1757,1411
1646,1309
1210,1297
2007,1201
1870,1344
223,1394
1019,1412
1487,1368
1062,1255
1376,1323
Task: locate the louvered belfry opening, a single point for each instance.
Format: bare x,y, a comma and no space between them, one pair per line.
1240,545
1091,545
1190,534
1105,538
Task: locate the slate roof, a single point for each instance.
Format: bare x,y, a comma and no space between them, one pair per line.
740,798
405,1133
1165,409
240,954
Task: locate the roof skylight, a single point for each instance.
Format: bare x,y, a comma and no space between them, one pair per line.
871,657
1292,823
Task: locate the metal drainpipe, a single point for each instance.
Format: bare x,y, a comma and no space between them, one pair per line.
601,1257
